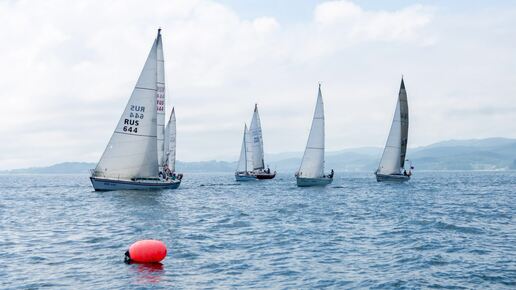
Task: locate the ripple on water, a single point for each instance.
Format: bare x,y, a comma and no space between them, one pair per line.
441,230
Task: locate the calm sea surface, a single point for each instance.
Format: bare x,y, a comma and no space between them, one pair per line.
442,230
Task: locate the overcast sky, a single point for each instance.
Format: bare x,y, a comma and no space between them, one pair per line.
67,69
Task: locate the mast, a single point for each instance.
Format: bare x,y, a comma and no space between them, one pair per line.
160,101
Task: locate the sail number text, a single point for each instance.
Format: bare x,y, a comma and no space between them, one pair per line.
160,104
131,124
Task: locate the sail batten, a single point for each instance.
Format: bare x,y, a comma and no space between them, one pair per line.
312,164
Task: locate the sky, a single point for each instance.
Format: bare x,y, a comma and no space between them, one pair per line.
67,69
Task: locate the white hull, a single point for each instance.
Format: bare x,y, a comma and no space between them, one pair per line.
391,178
244,177
104,184
306,182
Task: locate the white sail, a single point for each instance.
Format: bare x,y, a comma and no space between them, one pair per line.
249,150
170,142
257,141
312,165
242,161
132,149
160,101
393,157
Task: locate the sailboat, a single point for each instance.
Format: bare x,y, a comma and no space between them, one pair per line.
311,171
254,159
392,164
134,156
245,162
169,165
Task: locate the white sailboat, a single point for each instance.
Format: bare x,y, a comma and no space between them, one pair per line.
254,146
245,162
169,166
311,171
392,164
133,157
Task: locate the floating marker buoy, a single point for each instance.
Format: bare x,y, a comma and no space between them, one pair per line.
146,251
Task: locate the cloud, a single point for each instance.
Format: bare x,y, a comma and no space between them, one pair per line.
351,21
265,25
68,68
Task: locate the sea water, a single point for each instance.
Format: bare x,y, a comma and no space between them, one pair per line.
440,230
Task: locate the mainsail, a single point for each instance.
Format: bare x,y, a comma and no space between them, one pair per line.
257,141
132,149
312,165
393,158
170,142
160,101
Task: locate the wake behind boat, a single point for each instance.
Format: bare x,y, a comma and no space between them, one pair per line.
134,156
392,164
311,171
251,164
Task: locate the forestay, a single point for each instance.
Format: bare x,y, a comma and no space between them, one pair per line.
132,149
393,158
312,165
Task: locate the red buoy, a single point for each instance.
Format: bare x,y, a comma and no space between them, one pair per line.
146,251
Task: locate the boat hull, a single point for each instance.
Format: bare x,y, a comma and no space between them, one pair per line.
391,177
246,177
263,175
254,175
307,182
104,184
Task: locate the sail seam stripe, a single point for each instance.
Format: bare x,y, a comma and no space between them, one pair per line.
142,88
135,135
314,147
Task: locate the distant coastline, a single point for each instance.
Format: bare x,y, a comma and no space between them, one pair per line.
491,154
